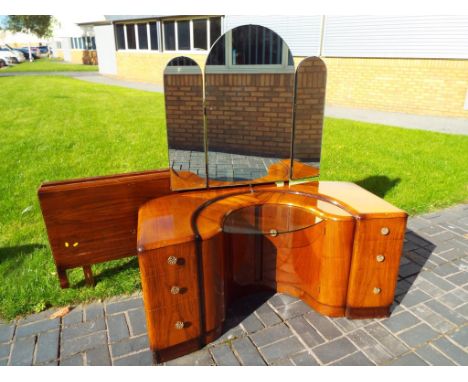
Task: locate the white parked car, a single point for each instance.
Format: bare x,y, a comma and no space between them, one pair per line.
17,55
7,57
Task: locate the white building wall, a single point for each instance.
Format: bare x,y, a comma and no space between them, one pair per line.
396,36
105,44
301,33
430,36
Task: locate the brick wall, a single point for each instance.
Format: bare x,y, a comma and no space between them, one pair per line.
310,102
148,67
184,111
413,86
250,113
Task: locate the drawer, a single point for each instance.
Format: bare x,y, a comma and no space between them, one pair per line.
377,254
169,289
173,325
173,259
381,229
374,271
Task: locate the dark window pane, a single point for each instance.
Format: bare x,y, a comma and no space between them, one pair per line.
183,34
217,55
169,35
255,45
80,40
119,28
182,61
199,34
93,43
131,40
142,36
72,43
215,29
154,35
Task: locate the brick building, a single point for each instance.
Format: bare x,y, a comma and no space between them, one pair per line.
407,64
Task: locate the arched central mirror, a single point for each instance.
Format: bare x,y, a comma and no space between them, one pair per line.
249,94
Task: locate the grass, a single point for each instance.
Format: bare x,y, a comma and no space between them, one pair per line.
49,65
68,128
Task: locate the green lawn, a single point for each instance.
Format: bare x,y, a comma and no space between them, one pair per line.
67,128
49,65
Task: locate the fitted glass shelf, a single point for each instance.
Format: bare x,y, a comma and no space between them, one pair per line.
269,219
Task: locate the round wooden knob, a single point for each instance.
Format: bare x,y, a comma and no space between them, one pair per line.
179,325
175,290
380,258
384,231
172,260
377,290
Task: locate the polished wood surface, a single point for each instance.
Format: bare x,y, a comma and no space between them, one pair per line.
338,255
161,224
93,220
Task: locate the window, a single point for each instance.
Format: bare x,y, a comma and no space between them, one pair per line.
93,43
59,44
254,45
169,35
200,34
142,36
183,35
217,54
72,43
177,35
215,29
131,39
80,42
153,27
120,34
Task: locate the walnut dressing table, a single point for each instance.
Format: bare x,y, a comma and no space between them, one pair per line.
240,209
332,244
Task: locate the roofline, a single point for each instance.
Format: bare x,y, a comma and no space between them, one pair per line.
95,23
161,18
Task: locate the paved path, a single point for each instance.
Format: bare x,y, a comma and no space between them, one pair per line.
410,121
65,74
127,84
428,325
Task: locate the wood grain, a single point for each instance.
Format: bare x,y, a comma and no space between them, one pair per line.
93,220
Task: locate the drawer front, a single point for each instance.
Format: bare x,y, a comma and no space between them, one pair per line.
173,325
168,276
381,229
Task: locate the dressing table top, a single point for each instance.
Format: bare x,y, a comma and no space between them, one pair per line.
171,219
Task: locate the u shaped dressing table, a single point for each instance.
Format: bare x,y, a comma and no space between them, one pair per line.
334,245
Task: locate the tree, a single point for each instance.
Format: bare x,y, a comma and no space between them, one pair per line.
40,25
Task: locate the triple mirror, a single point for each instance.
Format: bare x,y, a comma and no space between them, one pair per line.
251,117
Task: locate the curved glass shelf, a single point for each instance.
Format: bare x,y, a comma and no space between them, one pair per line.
269,219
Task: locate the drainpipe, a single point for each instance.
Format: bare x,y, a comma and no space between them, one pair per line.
322,30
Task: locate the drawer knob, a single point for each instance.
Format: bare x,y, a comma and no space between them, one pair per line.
384,231
175,290
380,258
377,290
172,260
273,232
179,325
